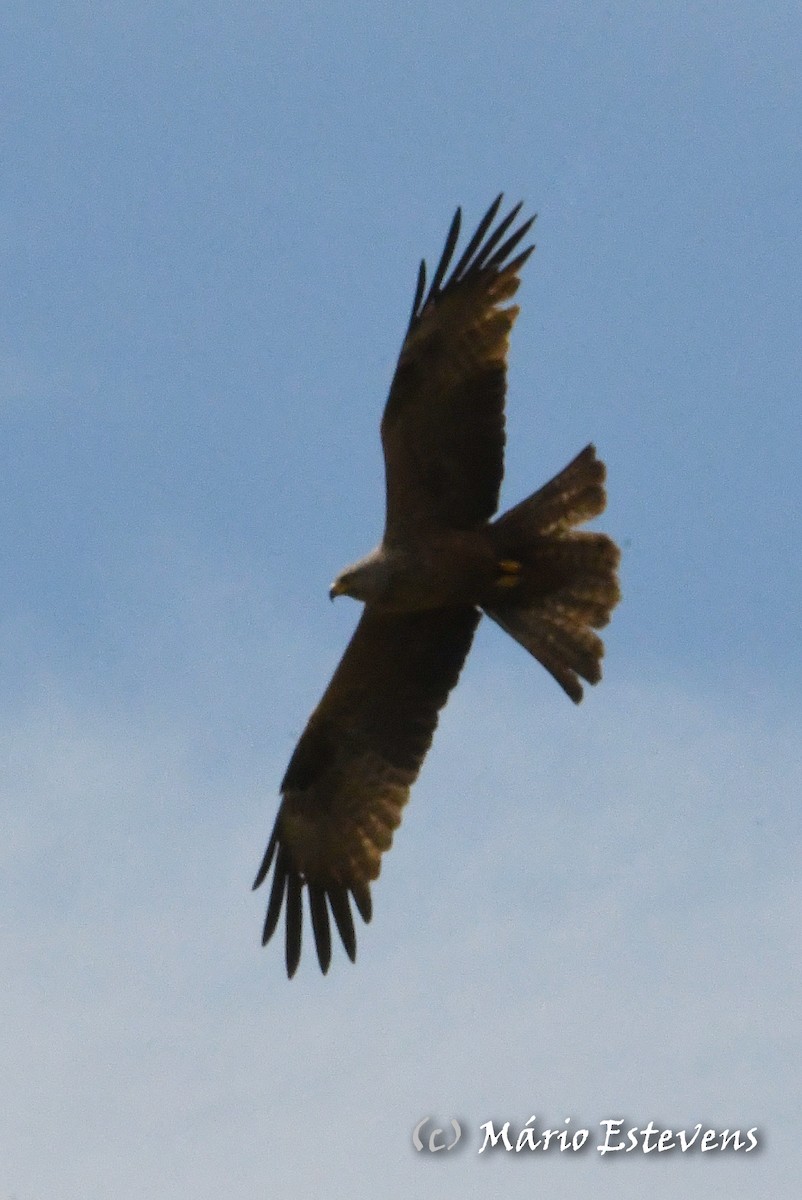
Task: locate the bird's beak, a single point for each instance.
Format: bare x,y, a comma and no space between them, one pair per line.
336,589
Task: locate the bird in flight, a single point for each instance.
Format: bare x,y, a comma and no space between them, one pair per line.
442,562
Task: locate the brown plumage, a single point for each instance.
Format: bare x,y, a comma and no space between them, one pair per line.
442,561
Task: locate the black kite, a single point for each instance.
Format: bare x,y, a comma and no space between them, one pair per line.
442,562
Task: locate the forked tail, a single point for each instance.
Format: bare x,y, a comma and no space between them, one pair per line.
556,584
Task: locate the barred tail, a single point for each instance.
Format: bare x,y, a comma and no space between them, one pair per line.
556,584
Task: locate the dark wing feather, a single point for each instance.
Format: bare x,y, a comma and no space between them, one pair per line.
352,769
443,427
320,925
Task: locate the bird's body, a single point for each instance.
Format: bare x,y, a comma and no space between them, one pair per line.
449,567
442,561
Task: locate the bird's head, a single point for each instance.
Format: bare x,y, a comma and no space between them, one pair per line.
365,580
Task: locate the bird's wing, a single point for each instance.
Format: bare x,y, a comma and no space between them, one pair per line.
351,772
443,426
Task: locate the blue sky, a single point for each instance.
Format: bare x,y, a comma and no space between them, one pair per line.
211,217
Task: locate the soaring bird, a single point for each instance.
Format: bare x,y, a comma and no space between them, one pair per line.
442,562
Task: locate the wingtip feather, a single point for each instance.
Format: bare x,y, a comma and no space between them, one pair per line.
338,899
420,288
363,901
294,923
498,233
478,255
261,874
507,248
276,897
320,925
448,251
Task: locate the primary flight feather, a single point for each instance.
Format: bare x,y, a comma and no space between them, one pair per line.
441,563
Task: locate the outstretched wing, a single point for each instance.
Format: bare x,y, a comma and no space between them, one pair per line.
351,772
443,426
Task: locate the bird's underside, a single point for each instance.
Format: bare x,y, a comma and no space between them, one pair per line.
442,562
